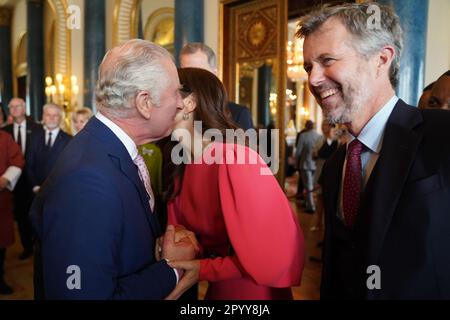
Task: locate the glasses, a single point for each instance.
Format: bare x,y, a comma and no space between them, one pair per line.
16,106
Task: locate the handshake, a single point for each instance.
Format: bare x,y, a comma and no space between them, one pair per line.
179,248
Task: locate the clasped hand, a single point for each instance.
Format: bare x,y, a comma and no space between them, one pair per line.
179,246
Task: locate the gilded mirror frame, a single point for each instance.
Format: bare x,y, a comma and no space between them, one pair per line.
228,56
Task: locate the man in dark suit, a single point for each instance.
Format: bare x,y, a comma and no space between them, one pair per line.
386,190
94,215
22,129
199,55
46,146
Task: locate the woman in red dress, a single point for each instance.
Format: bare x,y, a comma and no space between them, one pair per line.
251,242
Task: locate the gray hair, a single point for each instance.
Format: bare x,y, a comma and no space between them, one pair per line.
128,69
355,18
53,106
194,47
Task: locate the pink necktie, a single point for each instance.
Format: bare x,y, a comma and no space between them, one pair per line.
145,178
352,182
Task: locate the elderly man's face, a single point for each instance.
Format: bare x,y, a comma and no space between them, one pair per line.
17,108
163,116
440,94
51,118
338,76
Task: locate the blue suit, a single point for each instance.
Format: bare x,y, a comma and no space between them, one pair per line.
93,213
40,160
241,115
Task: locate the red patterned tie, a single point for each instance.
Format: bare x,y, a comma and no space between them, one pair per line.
352,182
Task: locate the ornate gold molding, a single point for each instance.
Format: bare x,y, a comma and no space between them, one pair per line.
5,17
126,20
62,45
19,69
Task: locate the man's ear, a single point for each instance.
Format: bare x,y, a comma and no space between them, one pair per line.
385,58
143,104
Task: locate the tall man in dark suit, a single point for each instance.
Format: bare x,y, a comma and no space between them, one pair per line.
94,216
46,146
387,190
22,129
199,55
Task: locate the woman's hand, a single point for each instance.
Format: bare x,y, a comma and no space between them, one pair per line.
191,272
181,233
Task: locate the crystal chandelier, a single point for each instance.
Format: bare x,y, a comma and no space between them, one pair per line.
295,70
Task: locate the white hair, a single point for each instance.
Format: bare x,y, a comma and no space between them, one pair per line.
128,69
53,106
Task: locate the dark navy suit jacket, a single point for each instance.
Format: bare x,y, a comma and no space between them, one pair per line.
241,115
93,213
40,159
403,225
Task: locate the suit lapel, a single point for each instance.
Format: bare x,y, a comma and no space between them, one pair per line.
388,177
118,152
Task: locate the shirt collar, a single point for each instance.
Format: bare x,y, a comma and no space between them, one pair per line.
120,134
22,124
54,131
372,133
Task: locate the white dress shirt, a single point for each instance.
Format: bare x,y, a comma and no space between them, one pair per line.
23,133
126,141
54,135
371,137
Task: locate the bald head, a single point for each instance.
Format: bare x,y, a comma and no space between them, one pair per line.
17,109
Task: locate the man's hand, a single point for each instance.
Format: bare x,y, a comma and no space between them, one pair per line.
191,272
182,250
3,183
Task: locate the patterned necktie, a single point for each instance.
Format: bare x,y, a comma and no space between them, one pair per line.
352,182
145,178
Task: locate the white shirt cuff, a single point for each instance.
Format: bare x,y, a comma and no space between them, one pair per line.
36,189
12,174
174,270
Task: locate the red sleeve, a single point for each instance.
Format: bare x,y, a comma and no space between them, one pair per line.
265,234
15,157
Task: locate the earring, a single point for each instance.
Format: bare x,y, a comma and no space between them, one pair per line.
185,116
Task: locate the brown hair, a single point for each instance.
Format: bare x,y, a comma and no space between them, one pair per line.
212,110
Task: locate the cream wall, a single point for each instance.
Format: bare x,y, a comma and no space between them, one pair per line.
211,24
437,59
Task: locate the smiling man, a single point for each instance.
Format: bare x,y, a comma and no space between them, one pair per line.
386,190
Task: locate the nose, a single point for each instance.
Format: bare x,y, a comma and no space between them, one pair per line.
316,76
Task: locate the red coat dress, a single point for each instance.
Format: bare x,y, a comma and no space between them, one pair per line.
10,155
252,244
